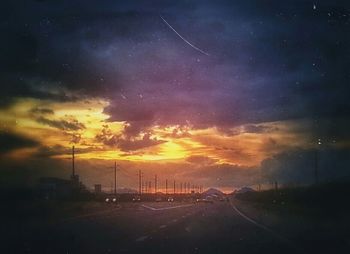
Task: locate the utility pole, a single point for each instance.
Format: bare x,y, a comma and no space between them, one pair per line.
319,143
174,187
73,166
316,167
181,188
155,184
115,178
166,186
140,182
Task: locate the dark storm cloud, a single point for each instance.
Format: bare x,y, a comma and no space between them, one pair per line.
44,111
268,60
251,128
200,160
50,151
224,175
298,166
127,144
128,141
11,141
73,125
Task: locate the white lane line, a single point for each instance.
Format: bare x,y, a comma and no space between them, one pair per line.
174,220
142,238
90,215
251,220
290,243
162,226
165,208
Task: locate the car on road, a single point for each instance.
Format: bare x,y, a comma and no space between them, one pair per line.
170,199
112,200
136,199
204,200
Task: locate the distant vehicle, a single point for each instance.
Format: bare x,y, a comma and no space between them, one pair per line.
170,199
136,199
204,200
158,199
244,190
111,200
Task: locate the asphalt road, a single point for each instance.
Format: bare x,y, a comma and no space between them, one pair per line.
149,228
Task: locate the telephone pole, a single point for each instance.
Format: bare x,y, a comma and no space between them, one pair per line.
155,184
166,186
319,143
140,182
115,178
174,187
316,167
73,166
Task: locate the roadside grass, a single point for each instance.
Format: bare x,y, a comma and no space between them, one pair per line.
24,205
324,200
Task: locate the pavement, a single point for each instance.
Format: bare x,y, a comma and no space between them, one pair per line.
147,227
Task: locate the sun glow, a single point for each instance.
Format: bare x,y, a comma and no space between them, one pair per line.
59,125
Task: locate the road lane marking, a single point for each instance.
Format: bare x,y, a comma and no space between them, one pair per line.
283,239
165,208
175,220
162,226
250,220
142,238
89,215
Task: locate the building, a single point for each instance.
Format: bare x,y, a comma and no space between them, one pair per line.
98,188
53,188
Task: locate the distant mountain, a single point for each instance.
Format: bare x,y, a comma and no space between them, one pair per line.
244,190
213,191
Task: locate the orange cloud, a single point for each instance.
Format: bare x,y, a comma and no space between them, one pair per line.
84,123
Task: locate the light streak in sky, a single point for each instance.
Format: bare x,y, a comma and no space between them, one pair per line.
198,49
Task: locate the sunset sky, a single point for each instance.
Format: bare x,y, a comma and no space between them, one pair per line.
114,80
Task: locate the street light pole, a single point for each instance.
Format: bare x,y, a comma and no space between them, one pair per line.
319,143
115,178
